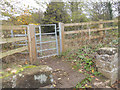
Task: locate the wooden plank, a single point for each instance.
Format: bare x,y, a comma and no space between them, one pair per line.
32,43
86,38
87,30
8,40
89,23
4,54
13,28
101,26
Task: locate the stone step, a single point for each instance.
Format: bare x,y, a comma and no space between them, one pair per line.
35,77
107,50
102,82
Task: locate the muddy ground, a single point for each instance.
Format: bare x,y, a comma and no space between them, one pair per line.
63,73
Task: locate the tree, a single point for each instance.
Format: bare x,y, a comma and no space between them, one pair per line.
100,10
110,10
37,16
19,13
76,11
56,13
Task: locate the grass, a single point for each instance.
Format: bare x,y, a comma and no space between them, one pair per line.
84,83
18,69
83,61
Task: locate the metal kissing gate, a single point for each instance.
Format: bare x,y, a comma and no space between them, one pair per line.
46,43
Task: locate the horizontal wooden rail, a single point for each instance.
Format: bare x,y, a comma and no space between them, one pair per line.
86,38
8,40
89,23
87,30
13,28
4,54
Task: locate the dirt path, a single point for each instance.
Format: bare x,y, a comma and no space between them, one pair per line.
63,74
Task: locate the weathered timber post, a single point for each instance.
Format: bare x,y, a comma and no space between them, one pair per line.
61,35
32,43
101,26
101,32
1,35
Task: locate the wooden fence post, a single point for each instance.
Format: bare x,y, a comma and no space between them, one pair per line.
32,43
101,26
61,35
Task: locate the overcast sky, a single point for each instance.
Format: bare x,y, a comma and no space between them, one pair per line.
23,4
34,4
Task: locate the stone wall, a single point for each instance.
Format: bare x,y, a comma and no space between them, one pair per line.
107,63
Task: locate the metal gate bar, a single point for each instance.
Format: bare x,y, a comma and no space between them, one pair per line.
39,41
56,39
43,42
46,49
19,35
46,42
45,33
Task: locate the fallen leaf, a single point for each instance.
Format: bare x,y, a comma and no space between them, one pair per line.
96,79
54,85
8,69
89,86
54,73
92,71
61,74
26,62
74,60
80,70
59,78
19,65
20,75
57,70
92,76
65,73
13,71
86,85
55,82
108,87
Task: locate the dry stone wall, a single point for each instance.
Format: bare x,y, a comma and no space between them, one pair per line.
107,63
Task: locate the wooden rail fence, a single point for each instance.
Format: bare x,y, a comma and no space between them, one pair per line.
100,30
30,37
9,40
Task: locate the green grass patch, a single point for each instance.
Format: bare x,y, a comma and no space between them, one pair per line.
18,70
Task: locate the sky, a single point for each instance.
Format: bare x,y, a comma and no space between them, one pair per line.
32,2
23,4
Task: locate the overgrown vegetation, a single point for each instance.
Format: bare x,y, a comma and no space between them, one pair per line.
83,59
